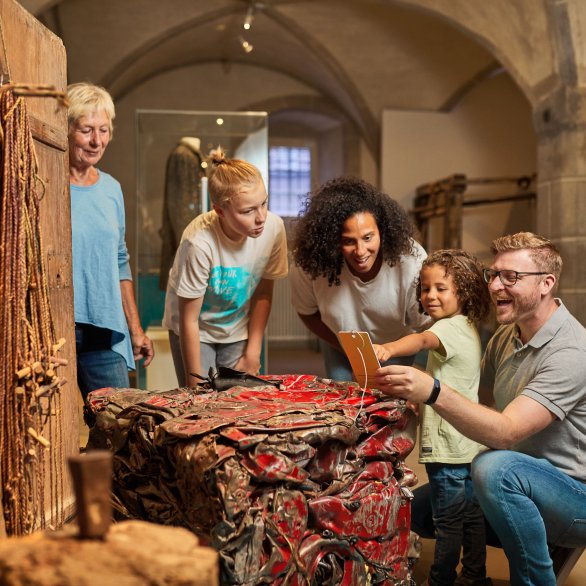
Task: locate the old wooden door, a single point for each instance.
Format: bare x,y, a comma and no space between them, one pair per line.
31,54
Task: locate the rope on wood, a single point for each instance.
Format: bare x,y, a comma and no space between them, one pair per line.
31,435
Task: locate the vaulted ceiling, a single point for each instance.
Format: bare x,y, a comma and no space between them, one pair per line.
362,56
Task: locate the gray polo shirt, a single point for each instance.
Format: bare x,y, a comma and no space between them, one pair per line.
550,369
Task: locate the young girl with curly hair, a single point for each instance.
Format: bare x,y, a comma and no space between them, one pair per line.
220,288
355,268
452,291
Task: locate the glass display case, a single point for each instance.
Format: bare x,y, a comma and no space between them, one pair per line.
171,189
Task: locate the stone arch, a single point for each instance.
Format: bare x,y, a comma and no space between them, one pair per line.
113,79
513,49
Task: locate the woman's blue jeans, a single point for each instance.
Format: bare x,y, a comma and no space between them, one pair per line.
529,503
98,366
338,366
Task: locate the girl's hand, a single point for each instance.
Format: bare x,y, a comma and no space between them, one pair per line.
248,364
381,352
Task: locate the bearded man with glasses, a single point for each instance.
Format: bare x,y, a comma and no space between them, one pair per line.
531,482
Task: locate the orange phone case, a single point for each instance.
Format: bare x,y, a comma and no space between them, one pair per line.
360,353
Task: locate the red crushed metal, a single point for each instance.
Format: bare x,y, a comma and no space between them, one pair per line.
301,486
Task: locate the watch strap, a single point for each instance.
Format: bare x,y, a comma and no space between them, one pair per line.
437,387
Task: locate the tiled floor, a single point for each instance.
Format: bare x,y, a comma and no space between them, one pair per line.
309,362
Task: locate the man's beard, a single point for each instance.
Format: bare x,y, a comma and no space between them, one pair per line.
519,307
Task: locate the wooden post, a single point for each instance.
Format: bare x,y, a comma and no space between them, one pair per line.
92,483
33,55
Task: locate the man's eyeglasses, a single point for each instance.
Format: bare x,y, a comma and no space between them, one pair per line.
508,278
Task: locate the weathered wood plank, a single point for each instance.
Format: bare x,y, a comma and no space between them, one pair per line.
34,55
48,134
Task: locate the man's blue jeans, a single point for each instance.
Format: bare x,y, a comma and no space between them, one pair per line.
459,524
529,503
338,366
98,366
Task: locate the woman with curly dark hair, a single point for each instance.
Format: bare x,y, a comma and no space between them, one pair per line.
452,291
355,267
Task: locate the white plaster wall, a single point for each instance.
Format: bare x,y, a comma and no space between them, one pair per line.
489,134
330,154
368,168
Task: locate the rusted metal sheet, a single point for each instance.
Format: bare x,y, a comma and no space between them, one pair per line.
301,484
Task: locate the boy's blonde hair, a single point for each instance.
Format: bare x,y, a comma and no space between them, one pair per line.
85,98
229,176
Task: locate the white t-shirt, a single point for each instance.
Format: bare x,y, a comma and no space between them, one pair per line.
386,307
225,273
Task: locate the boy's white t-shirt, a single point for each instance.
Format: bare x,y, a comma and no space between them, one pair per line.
225,273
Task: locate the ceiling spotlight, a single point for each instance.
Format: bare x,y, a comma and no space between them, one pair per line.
245,45
249,17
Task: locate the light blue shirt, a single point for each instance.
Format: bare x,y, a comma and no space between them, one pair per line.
100,259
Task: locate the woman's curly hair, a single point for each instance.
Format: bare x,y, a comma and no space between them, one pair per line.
318,233
466,272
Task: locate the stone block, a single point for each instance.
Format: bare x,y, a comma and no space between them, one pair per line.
563,208
134,553
573,252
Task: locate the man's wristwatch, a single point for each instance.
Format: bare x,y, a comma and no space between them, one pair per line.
437,387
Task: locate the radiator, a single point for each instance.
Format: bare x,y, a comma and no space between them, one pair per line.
284,323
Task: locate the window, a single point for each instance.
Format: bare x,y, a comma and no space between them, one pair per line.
289,178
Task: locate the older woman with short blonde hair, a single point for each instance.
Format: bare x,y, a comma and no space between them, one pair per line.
108,334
